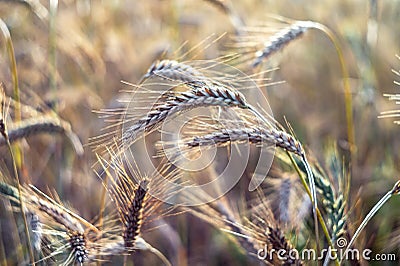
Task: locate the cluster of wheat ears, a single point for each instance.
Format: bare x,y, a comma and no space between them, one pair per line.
55,233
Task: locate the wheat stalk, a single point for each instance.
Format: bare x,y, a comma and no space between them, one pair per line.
392,192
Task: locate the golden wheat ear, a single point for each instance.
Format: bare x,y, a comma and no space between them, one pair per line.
137,201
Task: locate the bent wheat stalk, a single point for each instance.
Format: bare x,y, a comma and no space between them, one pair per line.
394,191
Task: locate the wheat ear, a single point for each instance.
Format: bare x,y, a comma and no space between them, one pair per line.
44,124
282,38
333,204
131,214
253,135
173,70
201,94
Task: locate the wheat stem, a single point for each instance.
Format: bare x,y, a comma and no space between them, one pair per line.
394,191
21,203
346,87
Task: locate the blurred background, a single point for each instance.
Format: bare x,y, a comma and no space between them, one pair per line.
75,53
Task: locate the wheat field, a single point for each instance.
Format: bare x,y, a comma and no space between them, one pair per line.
199,132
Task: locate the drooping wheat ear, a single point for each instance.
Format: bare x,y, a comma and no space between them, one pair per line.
56,213
173,70
282,38
132,213
201,94
44,124
253,135
287,199
284,194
